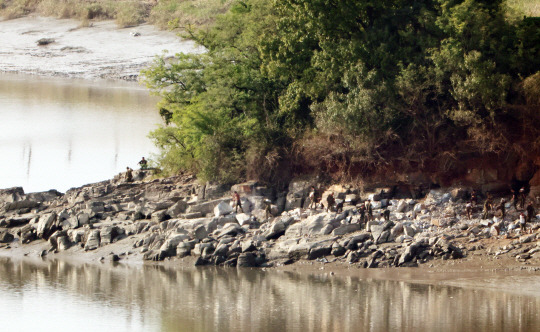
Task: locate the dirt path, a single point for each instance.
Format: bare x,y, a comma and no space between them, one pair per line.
99,51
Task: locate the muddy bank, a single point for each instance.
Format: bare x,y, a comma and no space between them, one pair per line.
68,50
176,221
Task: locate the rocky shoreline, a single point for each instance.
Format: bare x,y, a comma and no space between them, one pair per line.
178,220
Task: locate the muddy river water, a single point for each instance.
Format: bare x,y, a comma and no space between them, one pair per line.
60,133
53,295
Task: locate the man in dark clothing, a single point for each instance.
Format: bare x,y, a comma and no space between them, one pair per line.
129,174
530,212
522,196
502,207
143,163
515,198
474,197
487,207
236,202
369,210
312,198
267,208
386,215
330,201
362,211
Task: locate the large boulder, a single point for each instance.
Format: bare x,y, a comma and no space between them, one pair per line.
231,230
297,195
10,195
169,246
177,209
345,229
24,204
278,228
108,234
223,208
93,240
320,249
247,259
46,225
243,219
5,236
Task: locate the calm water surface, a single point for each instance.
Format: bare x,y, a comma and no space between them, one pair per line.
62,133
59,296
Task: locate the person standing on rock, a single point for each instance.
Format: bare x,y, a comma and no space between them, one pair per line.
330,201
312,198
522,222
236,202
129,174
267,208
522,197
143,163
530,212
369,210
362,211
515,198
474,197
386,215
468,210
502,207
487,207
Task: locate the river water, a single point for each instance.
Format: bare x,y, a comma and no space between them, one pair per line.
60,133
53,295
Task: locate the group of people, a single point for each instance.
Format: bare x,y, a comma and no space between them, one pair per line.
129,171
365,210
519,198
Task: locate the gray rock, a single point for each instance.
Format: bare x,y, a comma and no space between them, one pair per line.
345,229
223,208
24,204
46,225
83,219
299,251
278,228
200,233
248,259
248,246
177,209
320,249
243,219
402,206
107,234
5,236
230,229
159,216
396,231
221,250
93,240
184,248
63,243
409,231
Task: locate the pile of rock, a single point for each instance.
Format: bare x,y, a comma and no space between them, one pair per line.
176,217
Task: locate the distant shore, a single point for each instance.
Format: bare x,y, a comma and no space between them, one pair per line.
99,51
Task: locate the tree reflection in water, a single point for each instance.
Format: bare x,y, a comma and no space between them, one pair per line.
157,298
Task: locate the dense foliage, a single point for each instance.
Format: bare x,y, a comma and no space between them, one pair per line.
349,86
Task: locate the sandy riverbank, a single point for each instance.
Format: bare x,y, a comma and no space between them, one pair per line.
99,51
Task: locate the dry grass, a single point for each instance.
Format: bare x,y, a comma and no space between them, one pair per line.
125,12
525,7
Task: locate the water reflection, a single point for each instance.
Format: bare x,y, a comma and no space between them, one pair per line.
60,133
137,298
